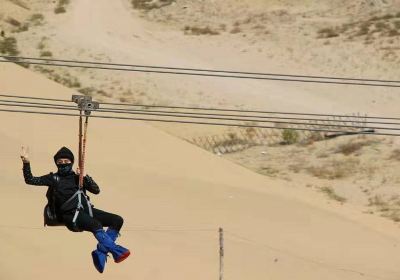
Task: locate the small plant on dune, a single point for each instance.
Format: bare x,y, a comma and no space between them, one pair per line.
334,169
46,54
314,136
36,19
8,46
395,155
381,25
349,148
388,208
236,30
387,16
150,4
89,91
330,192
290,136
269,171
378,201
394,215
363,29
233,139
13,22
61,6
60,10
393,32
194,30
64,79
325,33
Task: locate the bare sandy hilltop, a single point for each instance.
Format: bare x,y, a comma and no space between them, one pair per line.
304,208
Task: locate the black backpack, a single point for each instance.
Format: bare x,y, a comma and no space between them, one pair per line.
49,213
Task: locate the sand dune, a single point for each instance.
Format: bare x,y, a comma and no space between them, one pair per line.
173,197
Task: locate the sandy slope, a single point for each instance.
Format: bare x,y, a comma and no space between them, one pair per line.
173,197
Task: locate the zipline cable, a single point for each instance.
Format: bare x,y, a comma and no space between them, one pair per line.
119,110
229,234
32,97
210,109
202,74
206,123
127,111
211,118
305,259
198,69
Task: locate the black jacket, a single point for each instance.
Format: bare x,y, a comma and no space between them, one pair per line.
64,189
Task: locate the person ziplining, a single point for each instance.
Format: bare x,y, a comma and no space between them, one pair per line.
70,206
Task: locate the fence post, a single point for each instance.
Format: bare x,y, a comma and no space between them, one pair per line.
221,253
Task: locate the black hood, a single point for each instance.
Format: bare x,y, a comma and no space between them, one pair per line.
64,152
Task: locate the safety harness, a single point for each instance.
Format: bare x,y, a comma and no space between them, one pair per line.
85,105
80,194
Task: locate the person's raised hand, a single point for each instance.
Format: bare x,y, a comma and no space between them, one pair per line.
25,154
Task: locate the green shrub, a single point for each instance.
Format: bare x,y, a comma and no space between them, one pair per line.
60,10
8,46
36,19
290,136
46,54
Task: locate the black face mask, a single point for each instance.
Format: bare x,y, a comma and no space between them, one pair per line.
64,168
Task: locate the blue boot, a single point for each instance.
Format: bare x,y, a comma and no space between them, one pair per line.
107,244
99,257
112,233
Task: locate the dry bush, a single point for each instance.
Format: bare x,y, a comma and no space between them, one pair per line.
389,210
378,201
8,46
333,169
89,91
268,171
314,136
13,22
330,192
395,155
363,29
351,147
194,30
328,32
150,4
232,140
61,6
393,214
60,10
64,79
296,168
393,32
46,54
236,30
36,19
